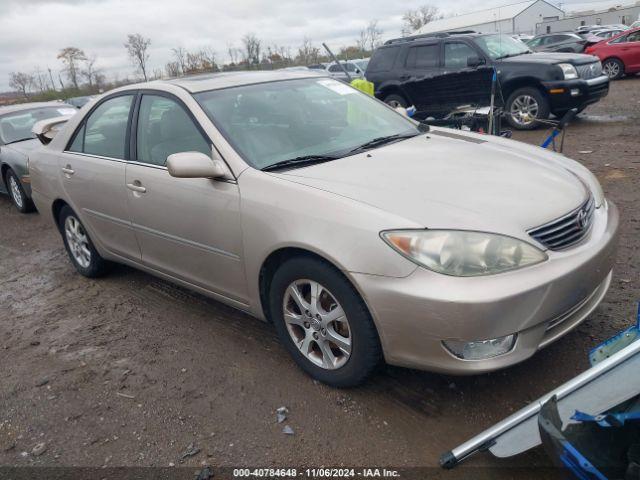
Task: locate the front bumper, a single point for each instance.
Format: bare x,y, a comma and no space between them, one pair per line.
567,94
540,303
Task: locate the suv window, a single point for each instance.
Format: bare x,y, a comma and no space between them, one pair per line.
349,67
104,133
164,128
456,54
423,56
634,37
383,59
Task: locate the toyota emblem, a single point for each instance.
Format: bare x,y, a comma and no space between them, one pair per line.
581,220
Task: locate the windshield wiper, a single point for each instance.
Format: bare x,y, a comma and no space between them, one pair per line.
379,141
299,162
509,55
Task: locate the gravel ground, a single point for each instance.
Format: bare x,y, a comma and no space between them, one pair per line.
132,371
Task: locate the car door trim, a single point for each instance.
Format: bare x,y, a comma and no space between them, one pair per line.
104,216
184,241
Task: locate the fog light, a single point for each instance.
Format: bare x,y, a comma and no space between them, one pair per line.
481,349
575,92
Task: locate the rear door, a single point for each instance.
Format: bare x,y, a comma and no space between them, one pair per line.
419,78
93,174
188,228
461,84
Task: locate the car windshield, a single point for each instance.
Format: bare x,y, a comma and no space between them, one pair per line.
16,126
501,46
274,122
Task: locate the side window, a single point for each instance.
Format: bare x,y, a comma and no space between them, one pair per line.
78,141
383,59
634,37
456,54
334,68
424,56
105,131
164,128
535,42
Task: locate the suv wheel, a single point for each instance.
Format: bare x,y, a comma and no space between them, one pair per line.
396,101
613,68
323,323
17,193
79,246
525,107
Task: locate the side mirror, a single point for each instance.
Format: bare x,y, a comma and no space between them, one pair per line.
475,61
195,165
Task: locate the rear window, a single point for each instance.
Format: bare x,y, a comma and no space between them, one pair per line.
383,59
423,56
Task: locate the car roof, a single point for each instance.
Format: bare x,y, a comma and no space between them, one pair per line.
30,106
217,81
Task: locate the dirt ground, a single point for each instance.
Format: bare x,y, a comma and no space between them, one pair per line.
132,371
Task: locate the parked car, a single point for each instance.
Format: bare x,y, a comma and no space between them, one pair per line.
619,55
635,24
534,85
16,143
307,203
354,69
557,42
523,37
80,102
604,34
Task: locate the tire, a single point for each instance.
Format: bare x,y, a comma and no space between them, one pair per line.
353,364
83,255
613,68
394,100
17,194
525,107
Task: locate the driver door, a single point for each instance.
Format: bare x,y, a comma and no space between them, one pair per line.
188,228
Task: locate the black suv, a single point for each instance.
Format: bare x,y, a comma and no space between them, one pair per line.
439,72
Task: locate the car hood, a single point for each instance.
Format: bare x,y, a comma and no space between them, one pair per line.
24,146
454,180
551,58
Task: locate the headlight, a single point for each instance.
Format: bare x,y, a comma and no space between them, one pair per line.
568,70
463,253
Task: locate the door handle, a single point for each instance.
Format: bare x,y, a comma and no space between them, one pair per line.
136,187
68,171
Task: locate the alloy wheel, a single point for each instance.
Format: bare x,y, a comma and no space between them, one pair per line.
524,110
78,241
16,194
611,69
317,324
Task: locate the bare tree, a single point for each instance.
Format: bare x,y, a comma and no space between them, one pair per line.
137,47
233,53
252,48
362,42
40,80
71,57
21,82
180,55
208,56
307,53
374,35
193,62
172,69
90,72
418,18
53,84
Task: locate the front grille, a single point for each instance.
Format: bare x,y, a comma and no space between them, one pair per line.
566,230
590,70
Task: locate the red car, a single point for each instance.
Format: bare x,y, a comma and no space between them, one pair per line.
620,54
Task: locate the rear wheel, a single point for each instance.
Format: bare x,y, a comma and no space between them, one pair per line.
323,322
394,100
18,196
525,107
613,68
83,255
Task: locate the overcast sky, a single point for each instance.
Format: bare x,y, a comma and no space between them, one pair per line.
33,31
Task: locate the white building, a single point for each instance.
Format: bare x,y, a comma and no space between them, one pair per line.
515,18
599,15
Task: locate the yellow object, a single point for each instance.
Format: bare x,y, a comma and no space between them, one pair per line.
363,85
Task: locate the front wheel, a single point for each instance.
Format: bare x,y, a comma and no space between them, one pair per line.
525,107
396,101
83,255
18,196
613,68
323,322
